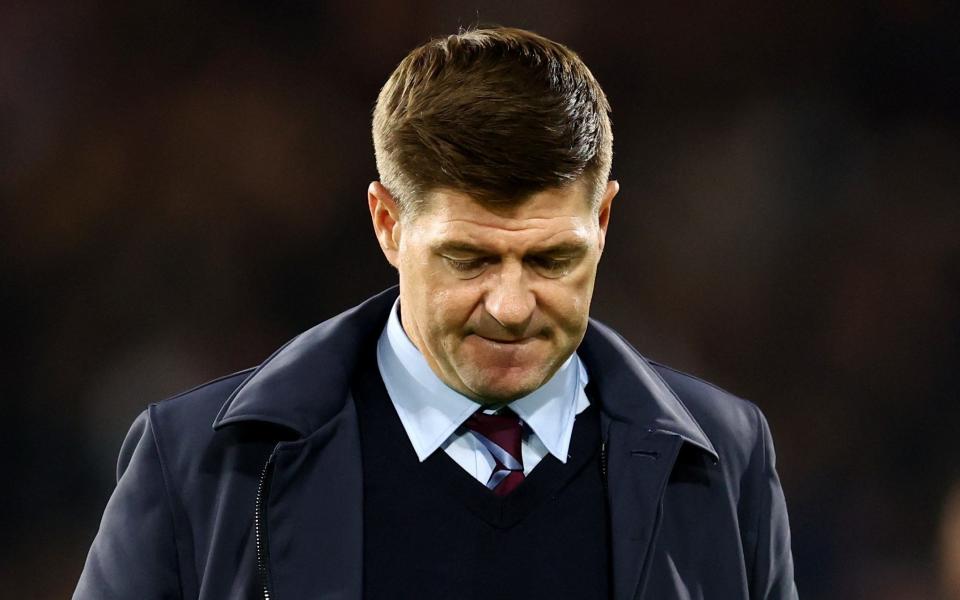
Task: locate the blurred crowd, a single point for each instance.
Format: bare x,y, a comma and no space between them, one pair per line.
184,185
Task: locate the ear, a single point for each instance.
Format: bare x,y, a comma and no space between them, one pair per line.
386,220
603,211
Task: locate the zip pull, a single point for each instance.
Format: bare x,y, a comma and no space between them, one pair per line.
603,462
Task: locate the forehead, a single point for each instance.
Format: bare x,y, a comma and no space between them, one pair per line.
555,215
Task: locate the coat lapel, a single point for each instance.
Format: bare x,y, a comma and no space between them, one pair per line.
644,425
315,514
640,463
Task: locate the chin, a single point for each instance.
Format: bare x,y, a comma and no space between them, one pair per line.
501,388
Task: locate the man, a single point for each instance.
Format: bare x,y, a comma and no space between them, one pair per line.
472,434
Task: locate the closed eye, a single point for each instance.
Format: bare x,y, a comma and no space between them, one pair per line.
465,265
466,268
552,266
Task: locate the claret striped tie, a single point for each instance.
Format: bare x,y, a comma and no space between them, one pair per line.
501,435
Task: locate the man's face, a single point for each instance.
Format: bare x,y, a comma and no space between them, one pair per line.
496,299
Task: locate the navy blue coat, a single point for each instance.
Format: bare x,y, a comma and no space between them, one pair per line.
251,485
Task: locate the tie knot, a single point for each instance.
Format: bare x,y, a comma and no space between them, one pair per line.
504,429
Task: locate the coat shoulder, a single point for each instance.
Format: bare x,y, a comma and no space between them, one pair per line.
199,461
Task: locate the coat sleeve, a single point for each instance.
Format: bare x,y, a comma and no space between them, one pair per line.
772,569
134,554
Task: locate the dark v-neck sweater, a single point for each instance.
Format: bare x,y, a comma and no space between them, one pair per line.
431,530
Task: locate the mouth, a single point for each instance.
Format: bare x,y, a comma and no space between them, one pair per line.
506,342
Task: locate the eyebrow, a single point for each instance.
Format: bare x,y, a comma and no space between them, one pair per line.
561,249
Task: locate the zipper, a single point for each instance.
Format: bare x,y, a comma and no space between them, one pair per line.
260,527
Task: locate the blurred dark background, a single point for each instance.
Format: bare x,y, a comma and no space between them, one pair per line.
184,186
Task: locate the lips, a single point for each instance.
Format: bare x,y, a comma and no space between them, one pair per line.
515,341
502,340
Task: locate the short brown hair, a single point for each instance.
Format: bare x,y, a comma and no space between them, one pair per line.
498,113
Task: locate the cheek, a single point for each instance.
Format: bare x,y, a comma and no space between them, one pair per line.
449,310
460,303
569,302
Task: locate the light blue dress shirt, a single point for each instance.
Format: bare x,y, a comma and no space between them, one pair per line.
432,413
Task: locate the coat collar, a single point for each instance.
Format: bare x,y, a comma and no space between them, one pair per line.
304,384
631,391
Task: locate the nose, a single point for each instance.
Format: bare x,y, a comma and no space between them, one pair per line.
509,301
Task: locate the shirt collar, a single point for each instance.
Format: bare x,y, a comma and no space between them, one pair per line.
431,411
